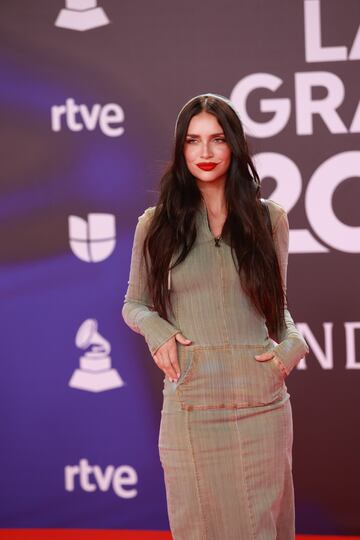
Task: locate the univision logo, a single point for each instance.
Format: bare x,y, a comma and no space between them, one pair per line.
81,15
92,240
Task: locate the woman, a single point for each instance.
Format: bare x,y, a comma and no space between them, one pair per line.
207,290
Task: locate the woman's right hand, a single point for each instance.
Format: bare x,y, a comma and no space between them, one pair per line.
166,356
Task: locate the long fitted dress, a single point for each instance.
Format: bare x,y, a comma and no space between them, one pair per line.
226,432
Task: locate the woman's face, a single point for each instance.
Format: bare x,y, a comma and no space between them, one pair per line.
205,144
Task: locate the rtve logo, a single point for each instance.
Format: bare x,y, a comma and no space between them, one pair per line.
77,117
92,240
91,477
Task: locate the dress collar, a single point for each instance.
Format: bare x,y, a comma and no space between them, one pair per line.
204,232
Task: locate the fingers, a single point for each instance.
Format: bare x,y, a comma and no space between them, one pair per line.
166,360
174,363
264,356
182,339
169,366
271,355
166,356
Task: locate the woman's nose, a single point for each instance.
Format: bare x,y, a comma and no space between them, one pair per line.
205,151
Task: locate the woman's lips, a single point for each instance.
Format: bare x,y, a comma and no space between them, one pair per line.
206,166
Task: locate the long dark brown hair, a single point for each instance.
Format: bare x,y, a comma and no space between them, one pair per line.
173,229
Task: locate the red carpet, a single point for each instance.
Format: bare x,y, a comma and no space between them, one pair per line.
84,534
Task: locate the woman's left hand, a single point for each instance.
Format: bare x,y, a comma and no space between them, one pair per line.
264,357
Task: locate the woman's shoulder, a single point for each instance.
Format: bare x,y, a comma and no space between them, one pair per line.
276,211
147,214
143,223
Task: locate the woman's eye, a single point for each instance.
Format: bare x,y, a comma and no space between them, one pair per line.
216,139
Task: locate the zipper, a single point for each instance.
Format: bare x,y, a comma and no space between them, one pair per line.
216,238
220,256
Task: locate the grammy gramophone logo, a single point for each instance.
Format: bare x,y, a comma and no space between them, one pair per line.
95,373
81,15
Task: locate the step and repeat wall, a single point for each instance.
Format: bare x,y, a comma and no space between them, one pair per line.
89,96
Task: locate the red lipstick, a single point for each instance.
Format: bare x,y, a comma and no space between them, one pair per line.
207,166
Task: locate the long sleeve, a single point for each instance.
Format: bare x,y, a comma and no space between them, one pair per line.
137,311
291,344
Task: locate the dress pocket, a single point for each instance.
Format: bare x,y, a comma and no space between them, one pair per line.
277,368
185,355
227,377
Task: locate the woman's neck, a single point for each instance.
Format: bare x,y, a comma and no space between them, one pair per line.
215,205
213,195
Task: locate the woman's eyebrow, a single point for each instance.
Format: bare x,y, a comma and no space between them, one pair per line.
211,135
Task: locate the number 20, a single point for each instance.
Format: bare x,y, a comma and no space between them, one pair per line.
318,199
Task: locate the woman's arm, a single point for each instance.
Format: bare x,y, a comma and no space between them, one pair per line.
291,344
138,311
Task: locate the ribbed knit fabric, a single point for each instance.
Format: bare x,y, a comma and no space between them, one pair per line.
225,439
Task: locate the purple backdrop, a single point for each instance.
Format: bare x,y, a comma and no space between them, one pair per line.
89,98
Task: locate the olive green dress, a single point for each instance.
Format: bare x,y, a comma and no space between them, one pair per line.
226,432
